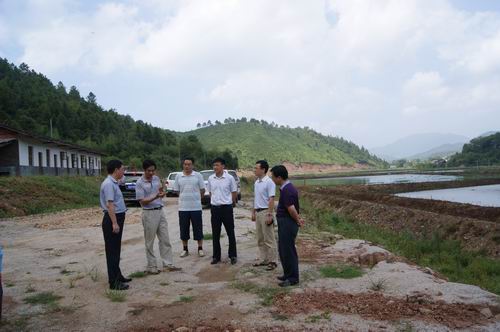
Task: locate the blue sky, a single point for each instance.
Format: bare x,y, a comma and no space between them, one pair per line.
370,71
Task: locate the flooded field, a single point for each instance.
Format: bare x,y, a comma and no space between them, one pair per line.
478,195
379,179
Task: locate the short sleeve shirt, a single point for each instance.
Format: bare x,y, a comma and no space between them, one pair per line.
220,189
188,187
147,189
110,191
288,196
264,189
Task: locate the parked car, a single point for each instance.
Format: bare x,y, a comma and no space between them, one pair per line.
127,186
169,183
206,174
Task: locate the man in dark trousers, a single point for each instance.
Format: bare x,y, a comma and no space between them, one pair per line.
114,208
223,196
289,222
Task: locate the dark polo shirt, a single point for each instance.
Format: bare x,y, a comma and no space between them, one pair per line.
288,196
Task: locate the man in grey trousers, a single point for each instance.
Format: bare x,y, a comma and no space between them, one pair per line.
149,192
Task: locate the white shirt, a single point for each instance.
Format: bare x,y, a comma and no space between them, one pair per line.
220,189
264,189
189,187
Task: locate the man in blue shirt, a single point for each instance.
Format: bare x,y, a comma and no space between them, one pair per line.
114,208
289,222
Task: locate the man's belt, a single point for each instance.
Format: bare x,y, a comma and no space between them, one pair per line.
156,208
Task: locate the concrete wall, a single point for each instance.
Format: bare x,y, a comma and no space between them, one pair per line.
91,162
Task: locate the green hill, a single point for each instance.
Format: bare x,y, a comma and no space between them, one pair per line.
30,102
252,140
484,150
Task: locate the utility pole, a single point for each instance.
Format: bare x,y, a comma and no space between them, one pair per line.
51,128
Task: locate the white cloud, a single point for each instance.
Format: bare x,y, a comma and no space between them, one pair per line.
345,66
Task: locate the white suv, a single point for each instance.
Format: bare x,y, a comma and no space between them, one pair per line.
169,182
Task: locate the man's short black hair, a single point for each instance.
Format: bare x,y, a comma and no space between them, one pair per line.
280,171
112,165
147,164
219,160
263,164
188,158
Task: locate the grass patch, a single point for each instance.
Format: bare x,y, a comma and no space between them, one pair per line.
163,283
316,318
9,284
341,271
210,236
46,298
442,255
18,324
185,299
266,294
137,274
116,295
27,195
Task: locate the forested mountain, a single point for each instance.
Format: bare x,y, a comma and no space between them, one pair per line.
483,150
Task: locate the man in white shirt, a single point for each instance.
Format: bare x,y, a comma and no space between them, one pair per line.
262,215
223,196
191,188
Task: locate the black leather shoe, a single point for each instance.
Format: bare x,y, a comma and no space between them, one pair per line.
234,260
281,278
119,286
287,283
215,261
123,279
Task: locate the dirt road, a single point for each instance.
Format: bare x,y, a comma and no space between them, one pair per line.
63,253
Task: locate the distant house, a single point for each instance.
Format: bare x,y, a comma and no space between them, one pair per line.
22,154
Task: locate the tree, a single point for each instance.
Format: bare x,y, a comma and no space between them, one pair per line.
74,93
61,88
198,125
91,98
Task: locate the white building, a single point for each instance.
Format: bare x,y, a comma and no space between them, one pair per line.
22,153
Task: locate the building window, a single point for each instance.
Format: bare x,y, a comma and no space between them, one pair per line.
40,159
30,155
74,161
83,160
55,160
91,162
63,158
47,155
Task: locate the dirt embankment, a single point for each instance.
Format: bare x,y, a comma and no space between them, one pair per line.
477,228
